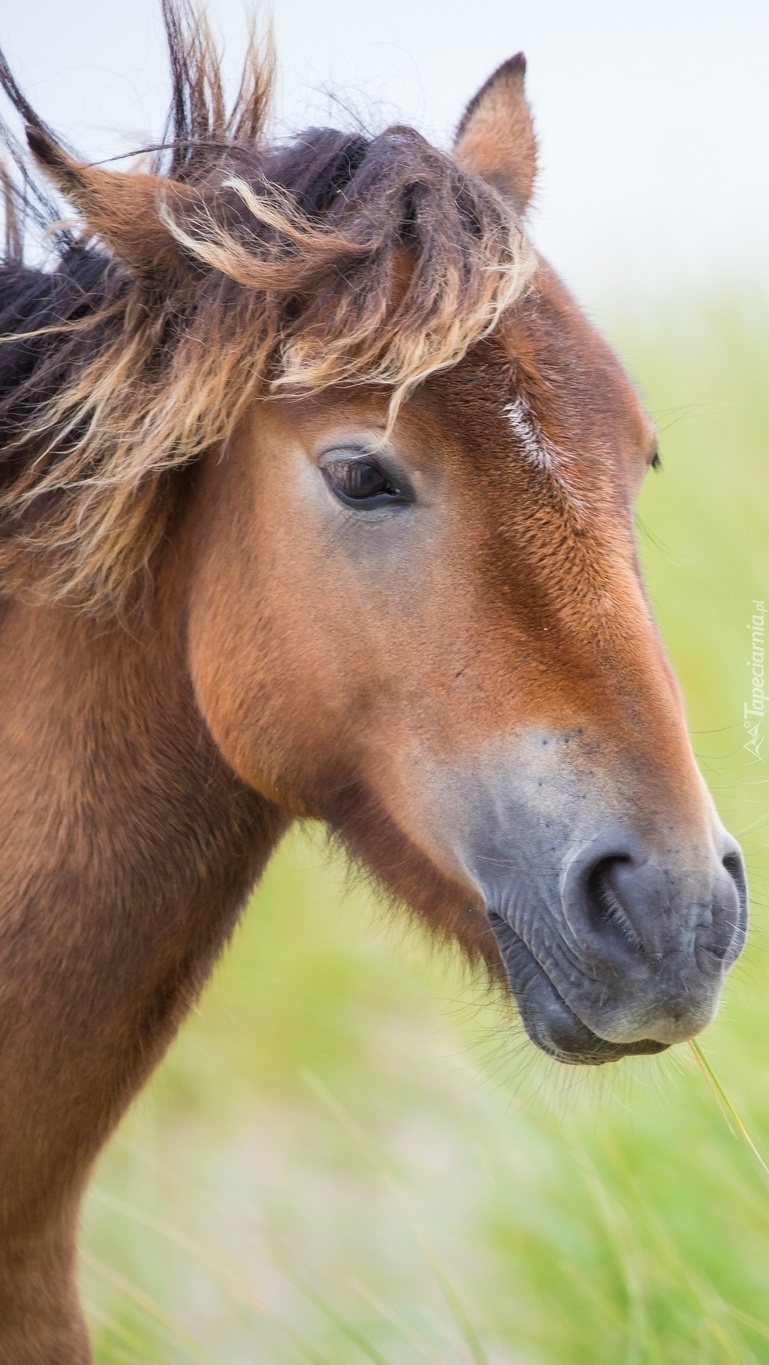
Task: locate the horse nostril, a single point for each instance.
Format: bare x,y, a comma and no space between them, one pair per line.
603,902
730,909
736,869
628,910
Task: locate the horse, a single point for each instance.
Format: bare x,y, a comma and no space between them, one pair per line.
316,495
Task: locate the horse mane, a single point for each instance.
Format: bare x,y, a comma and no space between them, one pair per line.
228,269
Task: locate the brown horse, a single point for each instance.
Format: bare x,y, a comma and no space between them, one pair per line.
315,501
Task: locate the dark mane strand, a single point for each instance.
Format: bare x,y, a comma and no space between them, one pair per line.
227,271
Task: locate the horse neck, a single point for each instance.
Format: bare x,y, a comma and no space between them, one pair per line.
127,783
126,850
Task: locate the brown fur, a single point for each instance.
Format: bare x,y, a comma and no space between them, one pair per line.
274,667
496,135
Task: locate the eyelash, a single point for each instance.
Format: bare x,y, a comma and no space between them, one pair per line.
655,461
347,478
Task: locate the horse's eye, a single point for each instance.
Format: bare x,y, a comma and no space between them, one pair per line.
361,483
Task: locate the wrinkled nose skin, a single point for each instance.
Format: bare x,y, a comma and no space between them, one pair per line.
638,958
616,935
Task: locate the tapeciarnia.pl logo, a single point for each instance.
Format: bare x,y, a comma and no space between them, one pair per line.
754,711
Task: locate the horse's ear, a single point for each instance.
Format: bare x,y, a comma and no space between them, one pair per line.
495,137
124,209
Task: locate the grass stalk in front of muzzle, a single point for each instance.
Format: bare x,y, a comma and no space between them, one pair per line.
724,1103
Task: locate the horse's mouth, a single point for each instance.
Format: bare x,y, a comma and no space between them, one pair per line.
550,1023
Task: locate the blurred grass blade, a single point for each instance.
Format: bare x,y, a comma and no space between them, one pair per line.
712,1308
725,1102
395,1319
443,1279
176,1333
237,1284
347,1329
132,1349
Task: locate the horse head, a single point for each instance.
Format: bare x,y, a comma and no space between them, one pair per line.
413,606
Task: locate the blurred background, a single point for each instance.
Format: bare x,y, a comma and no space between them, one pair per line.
346,1156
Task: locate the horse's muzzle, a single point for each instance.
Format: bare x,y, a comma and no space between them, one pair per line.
616,897
629,954
548,1020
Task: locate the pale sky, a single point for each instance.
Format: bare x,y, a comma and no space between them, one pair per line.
653,117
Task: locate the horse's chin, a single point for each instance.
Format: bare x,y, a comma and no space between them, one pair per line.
550,1023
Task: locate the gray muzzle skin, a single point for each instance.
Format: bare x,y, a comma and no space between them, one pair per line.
616,932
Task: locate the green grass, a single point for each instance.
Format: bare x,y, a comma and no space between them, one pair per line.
347,1157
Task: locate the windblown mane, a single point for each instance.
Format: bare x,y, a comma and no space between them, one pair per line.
226,271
